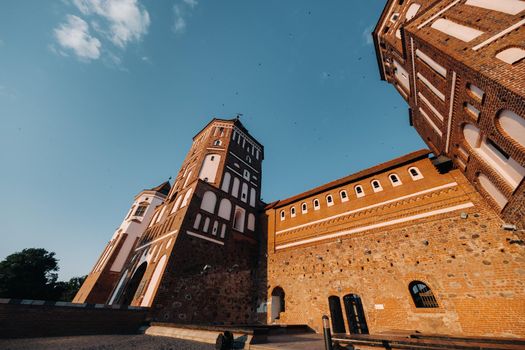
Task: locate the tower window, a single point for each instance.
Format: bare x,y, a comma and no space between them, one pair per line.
422,295
317,206
141,209
217,142
329,200
283,215
292,212
376,186
304,208
359,191
246,174
415,173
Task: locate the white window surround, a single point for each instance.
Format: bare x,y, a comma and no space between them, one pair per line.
209,200
304,208
246,174
225,209
513,125
376,186
431,63
412,11
510,170
292,212
473,111
511,7
226,181
475,91
394,17
197,222
223,230
235,187
217,142
251,222
429,105
456,30
238,219
431,122
186,198
244,192
215,228
394,180
492,190
359,192
431,86
511,55
329,200
253,196
344,196
317,205
206,225
401,75
283,215
414,173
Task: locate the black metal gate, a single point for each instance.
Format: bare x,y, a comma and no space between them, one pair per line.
355,314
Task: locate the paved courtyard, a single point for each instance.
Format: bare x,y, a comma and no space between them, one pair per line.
103,342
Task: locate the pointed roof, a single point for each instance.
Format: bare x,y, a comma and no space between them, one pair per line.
163,188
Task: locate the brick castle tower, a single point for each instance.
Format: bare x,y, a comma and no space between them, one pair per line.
460,66
197,259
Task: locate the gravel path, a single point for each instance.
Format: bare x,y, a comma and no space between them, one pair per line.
103,342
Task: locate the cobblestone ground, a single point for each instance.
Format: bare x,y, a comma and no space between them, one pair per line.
103,342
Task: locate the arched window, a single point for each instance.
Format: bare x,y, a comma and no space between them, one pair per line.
394,179
304,208
344,196
246,174
244,192
188,178
238,219
235,187
292,212
283,215
208,202
176,205
226,182
197,222
206,225
215,228
317,206
225,209
329,200
253,196
415,174
223,230
422,295
251,222
209,168
217,142
141,209
376,186
359,191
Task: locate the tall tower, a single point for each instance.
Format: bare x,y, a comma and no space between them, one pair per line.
104,275
460,65
196,261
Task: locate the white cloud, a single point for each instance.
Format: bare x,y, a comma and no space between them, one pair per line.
74,35
181,11
191,3
367,35
127,19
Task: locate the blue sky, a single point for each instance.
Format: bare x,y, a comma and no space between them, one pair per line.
99,100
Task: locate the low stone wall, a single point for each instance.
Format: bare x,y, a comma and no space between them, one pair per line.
38,318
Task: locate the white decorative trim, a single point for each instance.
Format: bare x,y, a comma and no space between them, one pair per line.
431,86
380,31
431,122
451,184
215,149
382,224
449,122
204,237
429,105
499,35
413,67
248,165
438,14
156,240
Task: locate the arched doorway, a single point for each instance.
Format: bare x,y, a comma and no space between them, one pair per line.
278,303
336,314
133,284
355,314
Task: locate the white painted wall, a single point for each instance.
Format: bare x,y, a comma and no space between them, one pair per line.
511,55
251,222
209,200
456,30
402,75
225,209
513,125
209,168
433,64
412,11
226,182
154,281
512,7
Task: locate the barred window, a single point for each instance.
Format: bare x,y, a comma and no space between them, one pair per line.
422,295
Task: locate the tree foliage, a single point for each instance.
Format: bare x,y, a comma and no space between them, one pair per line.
32,274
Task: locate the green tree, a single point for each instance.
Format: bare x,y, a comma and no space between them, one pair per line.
29,274
69,289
